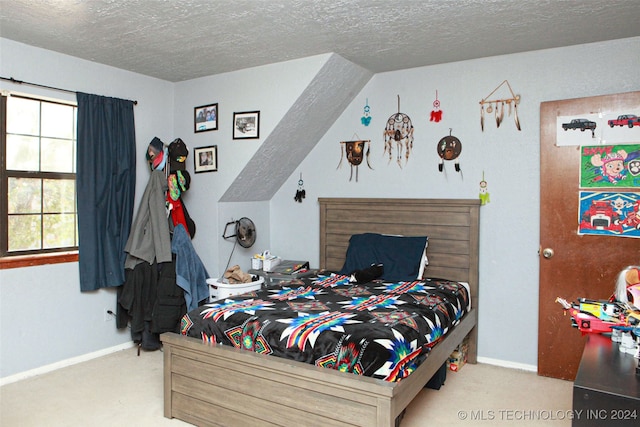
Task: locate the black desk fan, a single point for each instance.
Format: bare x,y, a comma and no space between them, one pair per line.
244,234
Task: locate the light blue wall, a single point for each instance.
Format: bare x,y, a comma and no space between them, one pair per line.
44,319
270,89
43,305
509,232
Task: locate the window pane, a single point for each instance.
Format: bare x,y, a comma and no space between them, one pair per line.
24,232
57,120
59,231
57,155
23,116
23,153
59,195
24,195
40,147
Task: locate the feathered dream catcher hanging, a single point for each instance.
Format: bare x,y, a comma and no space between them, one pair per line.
300,193
497,106
484,195
355,151
436,113
366,115
399,130
449,148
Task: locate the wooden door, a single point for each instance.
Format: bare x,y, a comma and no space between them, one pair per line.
581,265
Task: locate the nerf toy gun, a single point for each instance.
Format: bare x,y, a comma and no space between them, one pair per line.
595,316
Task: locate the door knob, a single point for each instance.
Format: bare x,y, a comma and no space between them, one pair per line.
547,253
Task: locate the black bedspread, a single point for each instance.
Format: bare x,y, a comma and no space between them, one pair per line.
379,329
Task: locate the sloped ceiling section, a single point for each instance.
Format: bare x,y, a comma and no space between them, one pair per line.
321,103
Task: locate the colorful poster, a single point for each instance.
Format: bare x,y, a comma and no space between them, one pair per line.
609,213
610,166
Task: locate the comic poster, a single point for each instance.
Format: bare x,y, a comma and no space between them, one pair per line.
609,213
610,166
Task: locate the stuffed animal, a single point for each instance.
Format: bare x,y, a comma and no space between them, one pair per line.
628,286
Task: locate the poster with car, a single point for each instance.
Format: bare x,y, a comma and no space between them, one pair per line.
615,127
609,213
610,166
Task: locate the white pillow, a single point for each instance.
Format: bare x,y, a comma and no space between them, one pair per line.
424,261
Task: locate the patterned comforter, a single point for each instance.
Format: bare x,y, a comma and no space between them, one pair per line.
379,329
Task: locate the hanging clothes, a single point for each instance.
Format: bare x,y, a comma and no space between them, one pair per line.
191,274
150,239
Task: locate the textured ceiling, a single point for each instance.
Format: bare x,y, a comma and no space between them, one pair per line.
186,39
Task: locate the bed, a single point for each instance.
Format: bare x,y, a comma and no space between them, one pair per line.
220,385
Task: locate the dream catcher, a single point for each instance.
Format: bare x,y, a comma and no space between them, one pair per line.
497,107
399,130
484,192
300,193
366,118
355,151
436,113
449,148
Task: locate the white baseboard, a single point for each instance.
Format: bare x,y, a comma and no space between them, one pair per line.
63,363
507,364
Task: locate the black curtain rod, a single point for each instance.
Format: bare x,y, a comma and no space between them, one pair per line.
21,82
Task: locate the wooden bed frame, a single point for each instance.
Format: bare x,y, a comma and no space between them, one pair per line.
219,385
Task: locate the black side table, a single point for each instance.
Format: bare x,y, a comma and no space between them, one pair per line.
274,278
606,391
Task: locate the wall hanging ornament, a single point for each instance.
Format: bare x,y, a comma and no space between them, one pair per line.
449,148
399,130
484,192
497,106
366,118
355,151
436,113
300,193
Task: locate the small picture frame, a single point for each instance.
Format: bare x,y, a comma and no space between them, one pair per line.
205,118
246,125
205,159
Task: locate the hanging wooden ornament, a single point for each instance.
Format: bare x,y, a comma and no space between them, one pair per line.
355,151
449,148
497,106
366,118
399,130
436,113
300,193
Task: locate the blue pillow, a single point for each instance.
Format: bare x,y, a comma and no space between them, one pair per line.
401,256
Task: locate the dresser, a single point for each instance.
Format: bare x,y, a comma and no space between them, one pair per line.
606,391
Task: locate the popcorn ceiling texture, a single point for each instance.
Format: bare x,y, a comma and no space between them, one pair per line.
187,39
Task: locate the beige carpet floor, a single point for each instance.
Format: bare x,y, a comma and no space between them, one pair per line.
122,389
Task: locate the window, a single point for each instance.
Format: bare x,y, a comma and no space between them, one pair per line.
38,178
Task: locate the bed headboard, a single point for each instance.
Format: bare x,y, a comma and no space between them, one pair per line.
451,224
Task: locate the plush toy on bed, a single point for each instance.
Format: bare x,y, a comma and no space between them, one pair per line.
375,271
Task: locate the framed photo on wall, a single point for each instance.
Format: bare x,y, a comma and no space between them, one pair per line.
205,118
205,159
246,125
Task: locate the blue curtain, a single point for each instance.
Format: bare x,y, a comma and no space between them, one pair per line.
105,179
